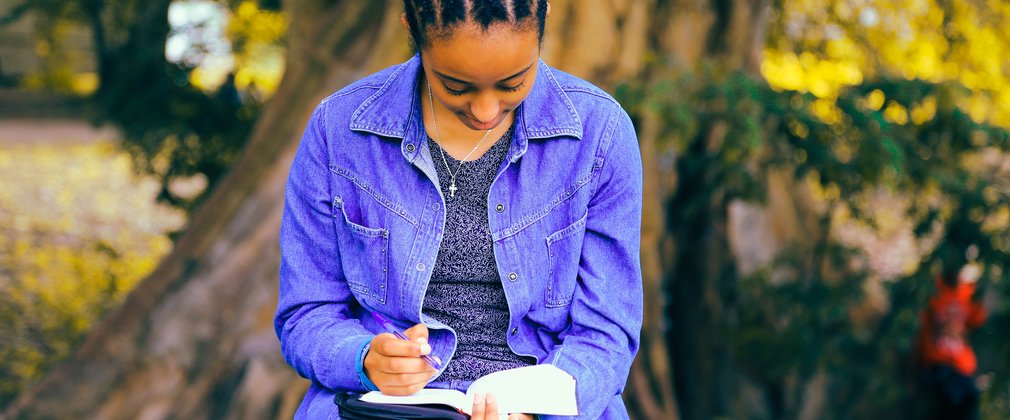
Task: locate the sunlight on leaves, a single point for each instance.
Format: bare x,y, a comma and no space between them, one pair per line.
78,229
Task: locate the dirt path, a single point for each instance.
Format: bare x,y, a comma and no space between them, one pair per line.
23,132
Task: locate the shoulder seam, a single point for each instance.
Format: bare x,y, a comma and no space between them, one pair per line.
600,93
349,90
606,145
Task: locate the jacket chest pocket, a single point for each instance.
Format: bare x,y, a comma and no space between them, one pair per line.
564,252
364,254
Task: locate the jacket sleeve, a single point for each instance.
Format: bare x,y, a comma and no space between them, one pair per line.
317,316
606,310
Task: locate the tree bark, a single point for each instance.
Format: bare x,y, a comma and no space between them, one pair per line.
688,267
195,339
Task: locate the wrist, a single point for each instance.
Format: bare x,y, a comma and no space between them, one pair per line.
366,382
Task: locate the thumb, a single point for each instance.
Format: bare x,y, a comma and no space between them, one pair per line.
417,333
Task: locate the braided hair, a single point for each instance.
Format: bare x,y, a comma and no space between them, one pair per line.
437,18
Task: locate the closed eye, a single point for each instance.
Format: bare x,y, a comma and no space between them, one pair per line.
513,88
456,92
460,92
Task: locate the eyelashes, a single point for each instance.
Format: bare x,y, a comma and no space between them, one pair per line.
513,88
508,89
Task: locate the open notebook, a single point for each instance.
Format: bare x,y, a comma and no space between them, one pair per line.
539,389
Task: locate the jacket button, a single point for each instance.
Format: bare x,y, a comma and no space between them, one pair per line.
514,330
410,147
513,276
499,208
420,266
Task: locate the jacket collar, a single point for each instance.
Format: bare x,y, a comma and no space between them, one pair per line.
395,108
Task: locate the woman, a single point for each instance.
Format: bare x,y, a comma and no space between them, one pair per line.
477,196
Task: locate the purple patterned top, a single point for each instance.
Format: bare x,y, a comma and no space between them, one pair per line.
465,291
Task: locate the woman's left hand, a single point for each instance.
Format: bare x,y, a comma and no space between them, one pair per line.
486,408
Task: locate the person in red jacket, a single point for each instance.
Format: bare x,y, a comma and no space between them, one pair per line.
943,352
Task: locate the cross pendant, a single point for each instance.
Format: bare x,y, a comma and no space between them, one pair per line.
452,190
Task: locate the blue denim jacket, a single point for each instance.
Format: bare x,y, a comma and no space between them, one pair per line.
364,217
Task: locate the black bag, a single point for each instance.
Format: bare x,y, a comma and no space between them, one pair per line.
352,408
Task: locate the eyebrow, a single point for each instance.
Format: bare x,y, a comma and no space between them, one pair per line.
453,79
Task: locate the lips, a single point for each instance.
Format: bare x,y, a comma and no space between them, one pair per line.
477,125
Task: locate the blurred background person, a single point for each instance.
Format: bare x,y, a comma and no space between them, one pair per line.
943,351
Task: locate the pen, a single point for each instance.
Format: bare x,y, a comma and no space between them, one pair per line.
433,361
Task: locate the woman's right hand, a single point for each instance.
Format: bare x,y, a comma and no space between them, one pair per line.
396,366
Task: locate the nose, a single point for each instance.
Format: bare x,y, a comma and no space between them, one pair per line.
485,108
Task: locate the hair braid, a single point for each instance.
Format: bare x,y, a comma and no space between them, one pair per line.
487,12
437,18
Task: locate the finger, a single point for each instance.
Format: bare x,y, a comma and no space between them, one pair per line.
478,407
388,345
419,334
401,365
400,391
378,363
490,407
402,379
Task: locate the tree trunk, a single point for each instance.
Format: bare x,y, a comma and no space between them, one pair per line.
687,268
195,339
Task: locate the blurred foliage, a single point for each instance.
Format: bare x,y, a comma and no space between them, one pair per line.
952,169
183,122
77,231
924,68
256,33
821,46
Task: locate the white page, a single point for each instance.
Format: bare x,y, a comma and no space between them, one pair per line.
540,389
448,397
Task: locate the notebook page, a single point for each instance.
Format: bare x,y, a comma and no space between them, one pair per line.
539,389
448,397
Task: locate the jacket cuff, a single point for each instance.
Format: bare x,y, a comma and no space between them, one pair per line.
359,365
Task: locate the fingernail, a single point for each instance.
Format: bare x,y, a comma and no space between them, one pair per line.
425,348
478,399
490,398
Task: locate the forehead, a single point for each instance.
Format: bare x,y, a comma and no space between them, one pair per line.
472,53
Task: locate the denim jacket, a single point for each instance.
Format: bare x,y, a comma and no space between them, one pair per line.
364,217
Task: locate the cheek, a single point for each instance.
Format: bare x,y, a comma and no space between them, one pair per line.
510,104
513,101
455,104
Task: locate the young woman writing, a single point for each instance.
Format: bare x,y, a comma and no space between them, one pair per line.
475,197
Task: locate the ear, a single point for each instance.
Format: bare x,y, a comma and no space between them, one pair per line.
403,20
548,13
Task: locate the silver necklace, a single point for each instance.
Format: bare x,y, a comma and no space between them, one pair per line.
438,141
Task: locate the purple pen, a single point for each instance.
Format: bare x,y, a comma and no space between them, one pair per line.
432,360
